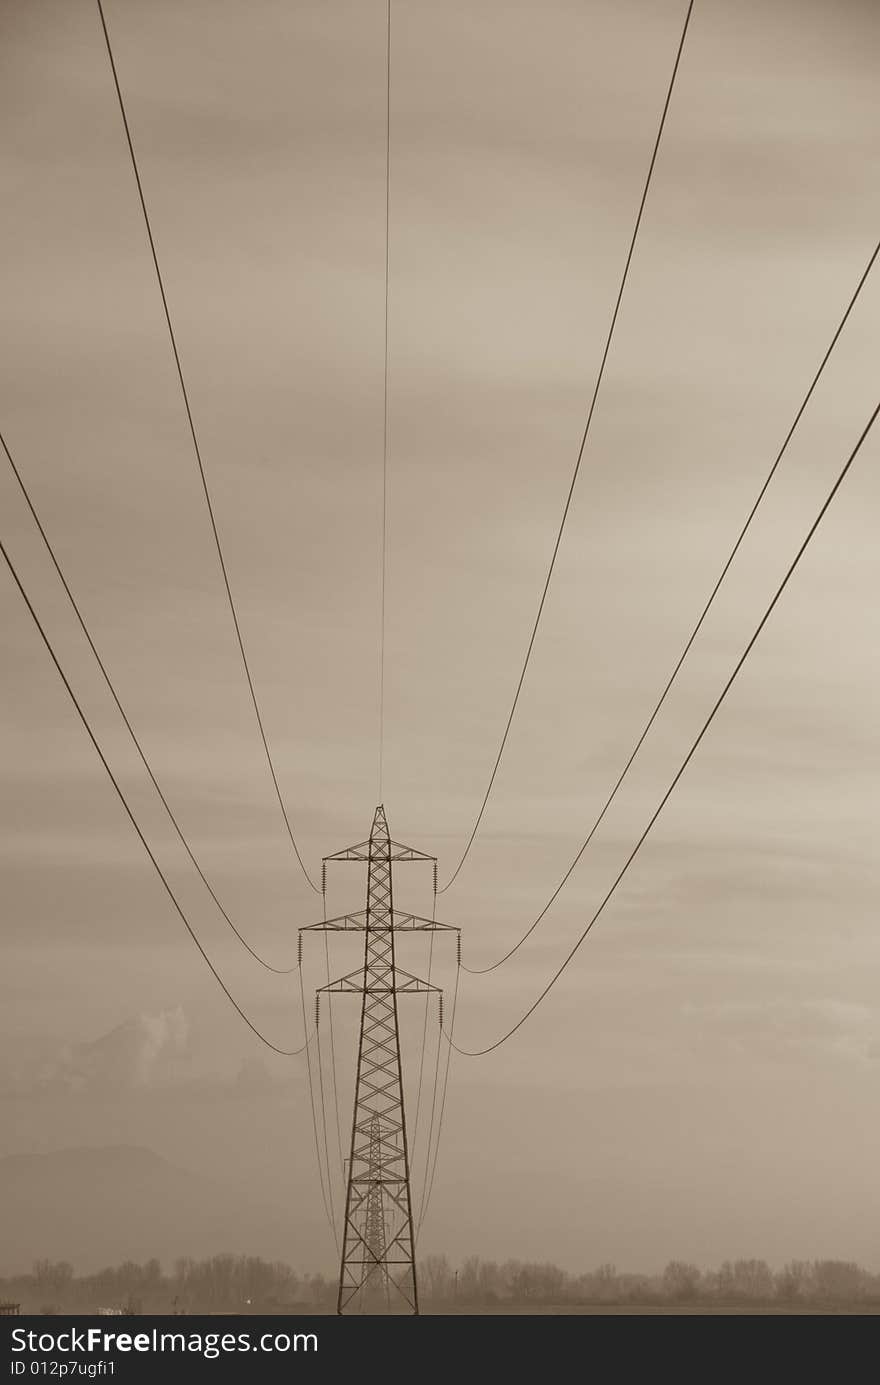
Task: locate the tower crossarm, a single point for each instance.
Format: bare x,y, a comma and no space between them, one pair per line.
343,923
399,983
361,852
357,923
408,853
413,923
396,851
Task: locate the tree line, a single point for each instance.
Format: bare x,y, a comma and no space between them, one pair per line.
220,1284
248,1284
515,1282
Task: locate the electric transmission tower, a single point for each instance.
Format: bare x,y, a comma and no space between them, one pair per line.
378,1240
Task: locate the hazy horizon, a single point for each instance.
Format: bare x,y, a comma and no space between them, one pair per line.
127,1196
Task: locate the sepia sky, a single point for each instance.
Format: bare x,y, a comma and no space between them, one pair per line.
704,1081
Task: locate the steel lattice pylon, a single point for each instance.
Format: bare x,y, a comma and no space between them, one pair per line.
378,1241
378,1102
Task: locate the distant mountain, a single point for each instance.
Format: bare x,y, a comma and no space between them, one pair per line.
97,1207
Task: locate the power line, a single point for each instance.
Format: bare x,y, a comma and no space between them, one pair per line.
335,1087
580,454
422,1051
330,1025
285,1052
424,1038
320,1065
198,453
429,1166
481,971
326,1197
477,1053
428,1143
429,1185
383,560
279,971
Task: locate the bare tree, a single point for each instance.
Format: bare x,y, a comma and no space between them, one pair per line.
681,1280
